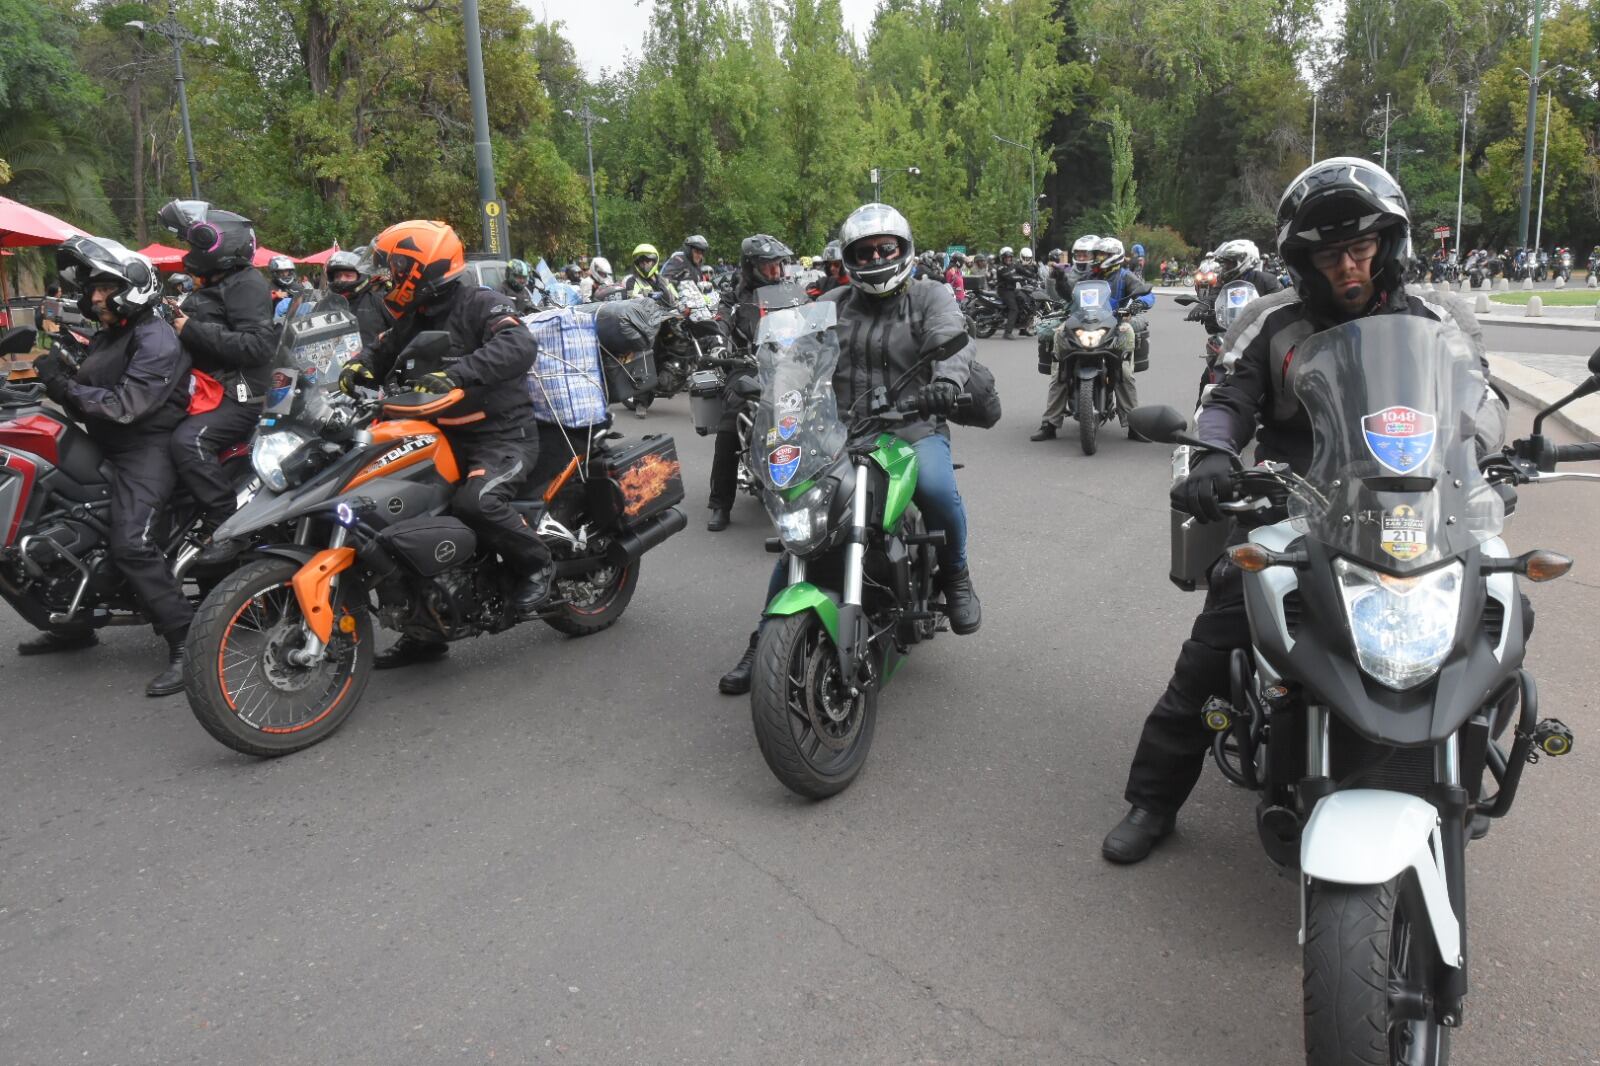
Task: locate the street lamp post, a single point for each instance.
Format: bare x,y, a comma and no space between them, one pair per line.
586,116
1400,152
1461,180
879,175
1033,193
1544,163
1534,81
1385,131
495,228
179,34
1313,125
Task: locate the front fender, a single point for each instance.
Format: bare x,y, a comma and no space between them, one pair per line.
1088,370
804,596
1367,836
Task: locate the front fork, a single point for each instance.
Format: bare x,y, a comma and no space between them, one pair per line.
852,647
312,652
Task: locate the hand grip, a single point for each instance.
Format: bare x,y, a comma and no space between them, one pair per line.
1577,453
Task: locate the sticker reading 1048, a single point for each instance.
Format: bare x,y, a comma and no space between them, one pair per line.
1400,438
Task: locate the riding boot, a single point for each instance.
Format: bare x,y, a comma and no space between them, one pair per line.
1139,831
216,552
961,603
1047,431
410,651
736,682
170,680
718,520
50,642
533,594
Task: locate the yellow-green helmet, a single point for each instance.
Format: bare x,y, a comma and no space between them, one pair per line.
646,251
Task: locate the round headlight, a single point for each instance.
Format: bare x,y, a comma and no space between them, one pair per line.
268,454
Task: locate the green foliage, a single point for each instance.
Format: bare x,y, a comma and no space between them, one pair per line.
1123,210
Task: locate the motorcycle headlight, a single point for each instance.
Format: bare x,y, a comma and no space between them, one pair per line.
1089,337
803,523
268,454
1403,626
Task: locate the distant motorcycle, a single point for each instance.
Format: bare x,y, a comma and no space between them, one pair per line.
984,311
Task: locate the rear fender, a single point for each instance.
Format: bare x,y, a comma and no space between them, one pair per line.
1366,836
804,596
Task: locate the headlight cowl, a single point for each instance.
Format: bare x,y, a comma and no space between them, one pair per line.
268,455
1403,627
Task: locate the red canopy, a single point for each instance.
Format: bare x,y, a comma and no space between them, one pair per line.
264,256
162,256
23,227
320,258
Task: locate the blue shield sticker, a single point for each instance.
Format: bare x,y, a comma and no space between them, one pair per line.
1400,438
788,426
782,462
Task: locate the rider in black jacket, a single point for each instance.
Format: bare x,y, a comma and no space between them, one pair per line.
1342,229
1007,280
131,392
227,330
491,430
349,277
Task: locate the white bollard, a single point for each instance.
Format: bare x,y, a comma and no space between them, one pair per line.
1592,281
1535,307
1561,282
1482,306
1504,284
1463,287
1527,284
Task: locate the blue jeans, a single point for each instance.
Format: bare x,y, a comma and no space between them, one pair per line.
936,497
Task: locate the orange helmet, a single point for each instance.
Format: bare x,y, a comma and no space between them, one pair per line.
421,259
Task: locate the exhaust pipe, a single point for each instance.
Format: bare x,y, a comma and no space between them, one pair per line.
634,541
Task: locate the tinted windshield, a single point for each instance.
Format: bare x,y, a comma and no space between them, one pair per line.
1231,302
1394,475
797,431
1091,305
312,350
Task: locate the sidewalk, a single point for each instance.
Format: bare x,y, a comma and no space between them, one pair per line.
1541,380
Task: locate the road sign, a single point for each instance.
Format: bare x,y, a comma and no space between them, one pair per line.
1441,232
496,233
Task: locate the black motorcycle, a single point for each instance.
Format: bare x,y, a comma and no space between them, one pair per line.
1385,668
1089,356
1217,313
985,313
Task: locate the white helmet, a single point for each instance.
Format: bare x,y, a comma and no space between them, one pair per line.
1027,253
864,262
1110,253
83,262
1005,252
1083,254
600,270
1236,257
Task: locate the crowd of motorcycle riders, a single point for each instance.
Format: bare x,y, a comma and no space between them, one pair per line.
178,372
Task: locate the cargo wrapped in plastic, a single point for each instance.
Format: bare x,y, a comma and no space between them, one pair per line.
567,384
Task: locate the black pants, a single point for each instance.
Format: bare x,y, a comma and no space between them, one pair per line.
195,444
1013,309
725,470
1172,749
141,491
495,471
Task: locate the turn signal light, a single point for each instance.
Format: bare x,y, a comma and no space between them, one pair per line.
1541,565
1251,558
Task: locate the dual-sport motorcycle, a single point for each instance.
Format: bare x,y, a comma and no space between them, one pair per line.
1477,269
1385,667
861,587
1563,265
56,569
985,313
1090,357
1217,313
694,330
353,523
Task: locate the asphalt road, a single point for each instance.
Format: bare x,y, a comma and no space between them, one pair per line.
546,850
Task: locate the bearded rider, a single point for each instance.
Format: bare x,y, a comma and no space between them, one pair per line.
491,430
888,321
1343,229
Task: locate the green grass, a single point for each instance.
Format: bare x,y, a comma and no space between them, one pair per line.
1549,297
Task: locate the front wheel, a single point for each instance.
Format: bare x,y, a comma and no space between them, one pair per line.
1370,964
814,735
241,680
1088,417
987,326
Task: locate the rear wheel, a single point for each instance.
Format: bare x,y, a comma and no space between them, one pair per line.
1370,964
594,601
241,682
814,735
1088,417
986,325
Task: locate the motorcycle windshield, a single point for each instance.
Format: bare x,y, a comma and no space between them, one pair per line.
797,432
312,351
1091,306
1231,302
1394,478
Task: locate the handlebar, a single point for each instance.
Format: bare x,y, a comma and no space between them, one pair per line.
1577,453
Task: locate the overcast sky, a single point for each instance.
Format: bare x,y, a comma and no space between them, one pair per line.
603,30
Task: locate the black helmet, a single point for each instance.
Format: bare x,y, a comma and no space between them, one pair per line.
696,243
218,240
1335,200
757,251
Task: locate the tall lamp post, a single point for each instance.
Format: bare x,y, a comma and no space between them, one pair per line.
1385,131
1033,190
1534,81
496,231
1544,163
589,118
1461,180
179,35
880,175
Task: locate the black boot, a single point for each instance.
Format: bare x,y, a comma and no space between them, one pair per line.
1136,834
218,552
533,595
1046,432
170,681
718,520
961,603
50,642
736,682
410,651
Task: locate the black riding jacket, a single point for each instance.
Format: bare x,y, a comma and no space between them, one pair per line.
230,333
132,384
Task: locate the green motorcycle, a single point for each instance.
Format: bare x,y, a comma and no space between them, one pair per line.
860,586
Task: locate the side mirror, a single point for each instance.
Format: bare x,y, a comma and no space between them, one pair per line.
1594,363
1184,300
19,341
1159,423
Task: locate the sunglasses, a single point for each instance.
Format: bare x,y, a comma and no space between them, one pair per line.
1359,251
868,251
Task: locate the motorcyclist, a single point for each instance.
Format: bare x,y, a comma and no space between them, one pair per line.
761,260
227,331
1237,260
1081,266
645,279
286,284
684,264
1061,275
515,287
1128,292
888,323
1007,279
349,277
491,430
131,392
954,277
178,287
833,271
1342,231
602,283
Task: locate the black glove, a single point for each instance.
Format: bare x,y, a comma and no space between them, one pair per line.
438,382
1204,490
355,375
938,397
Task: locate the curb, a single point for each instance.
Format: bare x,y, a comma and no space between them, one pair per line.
1543,322
1538,389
